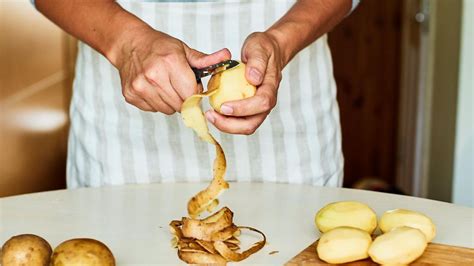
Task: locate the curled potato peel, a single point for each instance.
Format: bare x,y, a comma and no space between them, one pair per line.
193,117
230,255
213,239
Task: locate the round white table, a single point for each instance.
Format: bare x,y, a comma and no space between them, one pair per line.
133,220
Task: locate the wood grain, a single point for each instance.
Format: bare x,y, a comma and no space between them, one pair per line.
366,51
435,254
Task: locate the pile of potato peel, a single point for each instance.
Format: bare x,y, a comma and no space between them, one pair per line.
211,240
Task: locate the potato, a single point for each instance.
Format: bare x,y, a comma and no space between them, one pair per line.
26,250
231,85
400,246
346,213
344,244
82,251
400,217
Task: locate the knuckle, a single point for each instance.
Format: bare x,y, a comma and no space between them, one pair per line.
168,111
128,97
267,103
143,108
129,100
137,87
151,73
258,61
249,130
171,58
279,76
250,36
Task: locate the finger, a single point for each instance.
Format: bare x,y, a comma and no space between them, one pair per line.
201,60
143,90
170,96
263,101
235,125
139,103
144,106
256,58
183,80
162,103
166,92
162,88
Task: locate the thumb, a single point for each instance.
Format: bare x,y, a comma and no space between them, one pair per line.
256,59
200,60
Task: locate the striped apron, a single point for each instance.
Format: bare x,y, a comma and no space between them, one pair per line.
114,143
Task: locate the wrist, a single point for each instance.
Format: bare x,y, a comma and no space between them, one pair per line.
125,41
283,44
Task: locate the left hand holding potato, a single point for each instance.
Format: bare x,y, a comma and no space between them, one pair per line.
263,57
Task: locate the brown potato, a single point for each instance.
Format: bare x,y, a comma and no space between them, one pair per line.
82,251
26,250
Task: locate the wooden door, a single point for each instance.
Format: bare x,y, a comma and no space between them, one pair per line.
366,49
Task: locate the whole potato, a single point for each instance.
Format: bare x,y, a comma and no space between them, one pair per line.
26,249
231,85
400,246
82,251
344,244
346,213
400,217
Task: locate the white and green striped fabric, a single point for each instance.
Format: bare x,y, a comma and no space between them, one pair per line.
113,143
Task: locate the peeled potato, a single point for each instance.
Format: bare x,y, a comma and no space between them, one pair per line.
25,250
344,244
346,213
400,246
400,217
231,85
82,251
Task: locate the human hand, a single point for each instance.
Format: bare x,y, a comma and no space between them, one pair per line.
263,57
155,70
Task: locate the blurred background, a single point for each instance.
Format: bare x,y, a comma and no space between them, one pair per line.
404,70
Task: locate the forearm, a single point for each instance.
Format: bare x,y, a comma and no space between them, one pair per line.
102,24
305,22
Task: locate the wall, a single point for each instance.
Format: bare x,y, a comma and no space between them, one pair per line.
35,82
463,187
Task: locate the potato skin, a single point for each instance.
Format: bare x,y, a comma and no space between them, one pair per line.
346,213
344,244
82,251
401,217
25,250
400,246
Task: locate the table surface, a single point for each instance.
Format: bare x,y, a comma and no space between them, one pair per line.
133,220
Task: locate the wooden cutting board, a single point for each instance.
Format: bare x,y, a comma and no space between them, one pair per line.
435,254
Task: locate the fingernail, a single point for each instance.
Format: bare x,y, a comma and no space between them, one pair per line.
227,110
210,117
255,75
